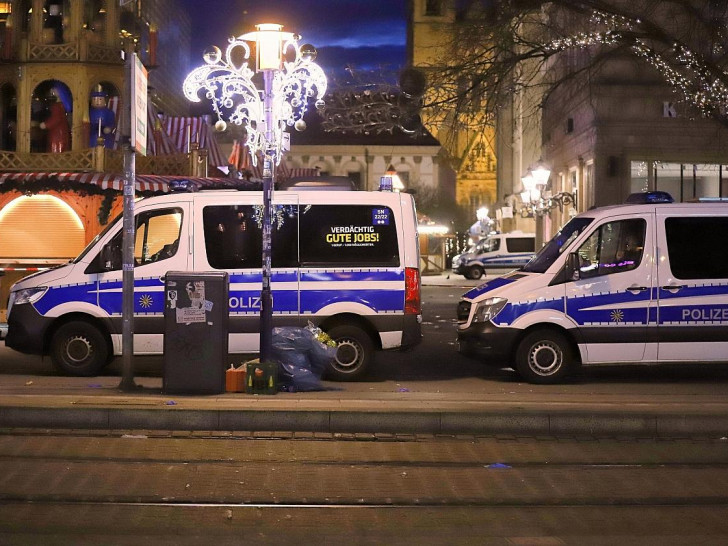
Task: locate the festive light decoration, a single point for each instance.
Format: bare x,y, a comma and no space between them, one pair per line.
370,111
368,103
234,95
703,86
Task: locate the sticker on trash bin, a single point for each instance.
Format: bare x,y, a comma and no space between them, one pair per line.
208,305
196,293
187,315
172,299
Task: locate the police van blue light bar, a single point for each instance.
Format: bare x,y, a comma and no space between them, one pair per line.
182,185
649,197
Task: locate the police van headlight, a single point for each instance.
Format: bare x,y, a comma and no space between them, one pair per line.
28,295
456,259
487,310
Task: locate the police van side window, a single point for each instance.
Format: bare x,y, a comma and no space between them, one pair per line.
521,244
614,247
491,245
694,247
234,239
348,235
157,238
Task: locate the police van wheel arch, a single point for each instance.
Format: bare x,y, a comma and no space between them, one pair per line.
354,353
545,356
79,348
474,272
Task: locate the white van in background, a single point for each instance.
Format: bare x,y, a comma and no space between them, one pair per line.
497,250
634,283
345,261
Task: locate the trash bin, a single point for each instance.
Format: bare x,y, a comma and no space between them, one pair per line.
195,332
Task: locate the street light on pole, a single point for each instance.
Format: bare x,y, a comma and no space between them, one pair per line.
266,114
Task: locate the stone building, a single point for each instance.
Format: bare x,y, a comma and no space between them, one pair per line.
471,154
613,131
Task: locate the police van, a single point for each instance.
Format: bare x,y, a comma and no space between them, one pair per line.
644,282
345,261
496,251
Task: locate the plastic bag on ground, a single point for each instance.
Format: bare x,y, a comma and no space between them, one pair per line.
301,357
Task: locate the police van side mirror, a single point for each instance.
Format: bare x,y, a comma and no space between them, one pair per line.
572,267
102,262
106,258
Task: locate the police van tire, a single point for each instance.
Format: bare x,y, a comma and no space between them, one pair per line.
475,272
79,348
544,357
354,353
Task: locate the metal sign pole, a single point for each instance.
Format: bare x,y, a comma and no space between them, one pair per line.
127,280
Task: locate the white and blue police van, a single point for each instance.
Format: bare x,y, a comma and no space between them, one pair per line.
643,282
496,251
345,261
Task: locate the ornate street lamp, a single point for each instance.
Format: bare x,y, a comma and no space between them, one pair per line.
290,79
541,174
537,200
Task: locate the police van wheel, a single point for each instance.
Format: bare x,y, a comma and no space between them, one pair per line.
476,272
544,357
78,348
354,353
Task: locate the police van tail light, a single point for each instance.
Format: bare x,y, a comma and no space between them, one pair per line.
412,300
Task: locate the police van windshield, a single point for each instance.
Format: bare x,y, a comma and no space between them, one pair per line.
96,239
556,246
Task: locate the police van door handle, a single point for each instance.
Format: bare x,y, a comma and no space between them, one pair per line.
637,289
673,288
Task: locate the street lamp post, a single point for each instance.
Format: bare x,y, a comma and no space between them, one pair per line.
287,87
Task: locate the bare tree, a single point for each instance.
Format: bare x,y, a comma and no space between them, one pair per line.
499,48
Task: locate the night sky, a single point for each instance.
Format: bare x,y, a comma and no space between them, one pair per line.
364,34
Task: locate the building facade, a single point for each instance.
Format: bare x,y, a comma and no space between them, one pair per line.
613,131
470,153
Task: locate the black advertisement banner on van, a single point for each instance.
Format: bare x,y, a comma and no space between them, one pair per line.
358,235
314,235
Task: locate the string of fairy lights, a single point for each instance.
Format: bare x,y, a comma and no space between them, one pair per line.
683,69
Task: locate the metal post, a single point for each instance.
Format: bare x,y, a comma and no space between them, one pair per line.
266,297
127,279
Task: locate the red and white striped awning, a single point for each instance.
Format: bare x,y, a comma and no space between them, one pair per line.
145,183
185,130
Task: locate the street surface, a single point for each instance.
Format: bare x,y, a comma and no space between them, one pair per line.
230,487
433,366
68,487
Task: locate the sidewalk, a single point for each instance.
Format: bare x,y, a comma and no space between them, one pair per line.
96,403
